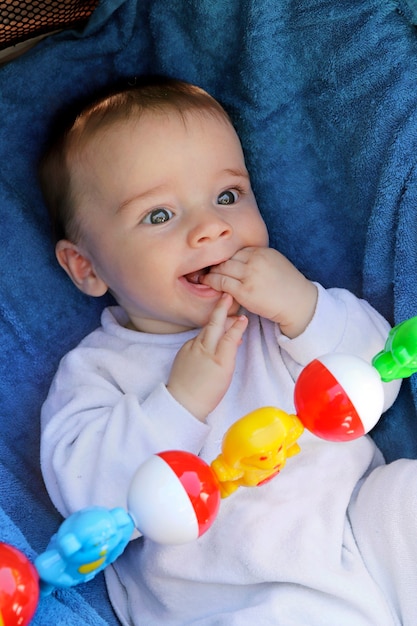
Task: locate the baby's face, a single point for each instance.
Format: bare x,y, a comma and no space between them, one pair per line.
164,200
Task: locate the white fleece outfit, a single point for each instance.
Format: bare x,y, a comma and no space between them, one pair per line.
331,541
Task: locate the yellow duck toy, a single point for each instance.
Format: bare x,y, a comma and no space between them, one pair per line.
255,449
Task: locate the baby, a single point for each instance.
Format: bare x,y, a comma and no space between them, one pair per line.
151,201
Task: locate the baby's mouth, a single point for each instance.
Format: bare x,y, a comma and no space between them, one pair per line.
195,277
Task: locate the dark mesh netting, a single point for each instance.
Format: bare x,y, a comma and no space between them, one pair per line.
21,20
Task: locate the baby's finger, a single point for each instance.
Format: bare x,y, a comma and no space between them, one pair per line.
234,268
215,327
244,254
230,320
232,338
222,282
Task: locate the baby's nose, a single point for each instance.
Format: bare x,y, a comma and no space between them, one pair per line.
209,229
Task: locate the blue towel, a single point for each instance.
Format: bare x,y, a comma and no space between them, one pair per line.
323,95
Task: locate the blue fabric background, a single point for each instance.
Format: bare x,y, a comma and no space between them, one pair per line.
323,95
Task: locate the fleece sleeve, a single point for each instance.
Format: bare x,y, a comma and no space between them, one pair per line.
95,436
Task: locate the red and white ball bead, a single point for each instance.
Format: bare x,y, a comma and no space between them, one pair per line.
174,497
339,397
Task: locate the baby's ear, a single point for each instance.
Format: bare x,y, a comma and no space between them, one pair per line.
79,268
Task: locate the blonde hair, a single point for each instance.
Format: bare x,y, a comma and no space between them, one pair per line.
157,95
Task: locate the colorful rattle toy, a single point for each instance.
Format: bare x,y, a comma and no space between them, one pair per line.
174,496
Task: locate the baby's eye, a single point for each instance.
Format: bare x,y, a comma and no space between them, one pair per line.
158,216
227,197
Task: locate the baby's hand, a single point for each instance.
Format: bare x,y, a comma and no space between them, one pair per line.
203,368
266,283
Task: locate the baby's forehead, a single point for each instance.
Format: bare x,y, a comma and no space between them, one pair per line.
95,137
100,149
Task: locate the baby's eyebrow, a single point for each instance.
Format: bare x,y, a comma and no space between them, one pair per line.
140,196
238,173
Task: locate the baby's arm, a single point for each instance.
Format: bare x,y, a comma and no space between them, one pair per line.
96,433
203,368
266,283
108,410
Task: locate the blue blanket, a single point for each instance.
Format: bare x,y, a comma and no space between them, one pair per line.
323,95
